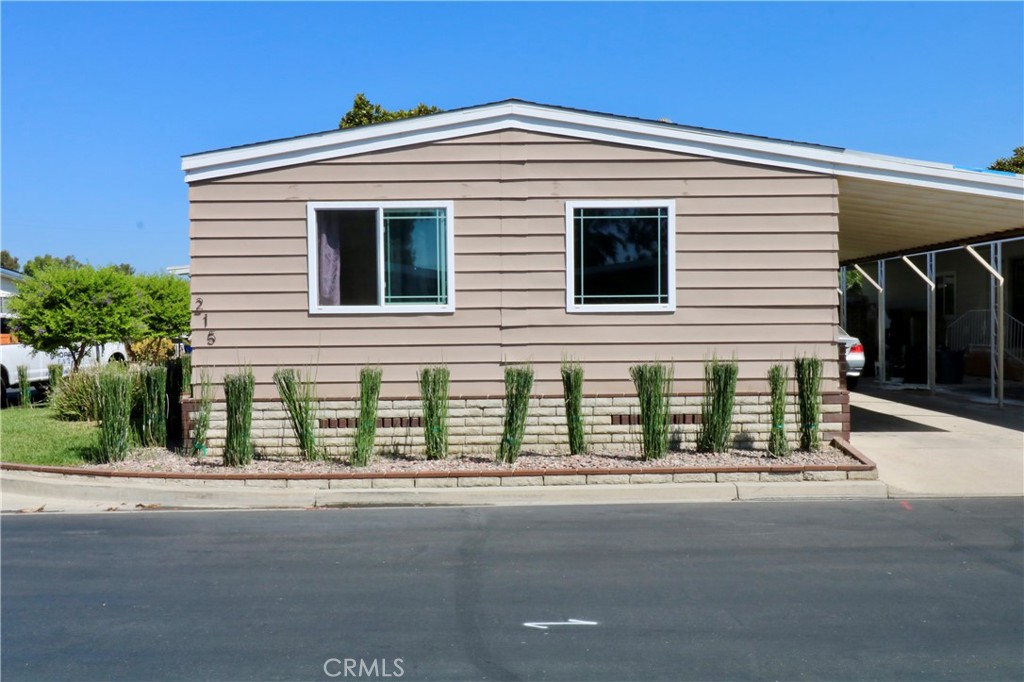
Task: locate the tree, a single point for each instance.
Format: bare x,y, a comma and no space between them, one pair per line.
364,112
1012,164
9,262
71,308
36,265
165,306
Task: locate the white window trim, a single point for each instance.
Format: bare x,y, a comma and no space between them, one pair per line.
571,306
311,255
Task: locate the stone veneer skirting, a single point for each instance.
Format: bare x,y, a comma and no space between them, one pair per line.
475,424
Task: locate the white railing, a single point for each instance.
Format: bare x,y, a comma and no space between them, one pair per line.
974,328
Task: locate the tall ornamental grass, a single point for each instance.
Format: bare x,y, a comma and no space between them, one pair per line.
115,386
298,393
185,362
716,412
366,431
572,392
518,385
653,382
201,421
154,406
808,389
778,379
434,397
76,396
56,374
24,387
238,390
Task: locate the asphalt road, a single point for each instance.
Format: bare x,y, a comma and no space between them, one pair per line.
877,590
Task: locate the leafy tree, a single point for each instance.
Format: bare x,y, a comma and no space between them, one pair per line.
9,262
364,112
36,265
125,268
1012,164
72,308
165,305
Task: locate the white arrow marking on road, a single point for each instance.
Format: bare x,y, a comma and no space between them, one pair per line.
571,621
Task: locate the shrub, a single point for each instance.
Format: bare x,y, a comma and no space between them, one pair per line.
808,388
153,416
778,378
572,392
298,393
56,372
653,384
366,432
174,383
201,421
114,398
151,350
518,384
76,396
716,412
238,390
24,387
434,396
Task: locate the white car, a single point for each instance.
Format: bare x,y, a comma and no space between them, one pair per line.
854,358
13,354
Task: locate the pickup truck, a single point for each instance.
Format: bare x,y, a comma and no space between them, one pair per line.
13,354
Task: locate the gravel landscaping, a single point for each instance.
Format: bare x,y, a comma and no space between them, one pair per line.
159,460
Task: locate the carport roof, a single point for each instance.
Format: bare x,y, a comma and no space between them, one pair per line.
887,205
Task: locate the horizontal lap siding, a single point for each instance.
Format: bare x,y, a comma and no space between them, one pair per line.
755,257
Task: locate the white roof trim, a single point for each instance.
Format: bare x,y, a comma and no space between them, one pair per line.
601,128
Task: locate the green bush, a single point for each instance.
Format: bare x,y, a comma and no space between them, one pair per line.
238,391
56,372
778,379
201,420
76,396
298,393
366,431
518,384
114,396
716,412
24,387
153,431
434,396
808,389
572,392
653,384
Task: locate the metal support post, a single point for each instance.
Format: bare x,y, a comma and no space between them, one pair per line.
880,288
929,260
997,301
842,297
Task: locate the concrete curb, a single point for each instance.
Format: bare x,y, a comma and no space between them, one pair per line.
56,492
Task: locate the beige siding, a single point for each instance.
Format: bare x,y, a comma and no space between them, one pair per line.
756,255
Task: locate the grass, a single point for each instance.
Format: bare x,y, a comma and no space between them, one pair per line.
716,410
518,384
572,391
366,431
434,397
653,384
39,437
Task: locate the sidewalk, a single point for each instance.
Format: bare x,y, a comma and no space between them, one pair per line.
939,446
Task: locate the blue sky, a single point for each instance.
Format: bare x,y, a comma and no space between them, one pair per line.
99,101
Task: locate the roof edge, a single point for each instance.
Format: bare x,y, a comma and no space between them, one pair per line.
517,114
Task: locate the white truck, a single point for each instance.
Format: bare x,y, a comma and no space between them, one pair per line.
13,354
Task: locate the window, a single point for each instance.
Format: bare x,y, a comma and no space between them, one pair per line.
380,257
620,256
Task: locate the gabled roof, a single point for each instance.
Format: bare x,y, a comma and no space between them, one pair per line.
887,205
522,115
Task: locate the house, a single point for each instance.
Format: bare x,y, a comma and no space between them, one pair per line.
9,280
517,232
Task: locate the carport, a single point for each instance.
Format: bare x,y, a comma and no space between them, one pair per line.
899,213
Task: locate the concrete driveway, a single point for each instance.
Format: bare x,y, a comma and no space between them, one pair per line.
939,446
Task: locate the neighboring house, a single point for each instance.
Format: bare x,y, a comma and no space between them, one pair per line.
9,280
517,232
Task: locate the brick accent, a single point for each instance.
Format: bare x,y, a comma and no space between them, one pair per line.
612,423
